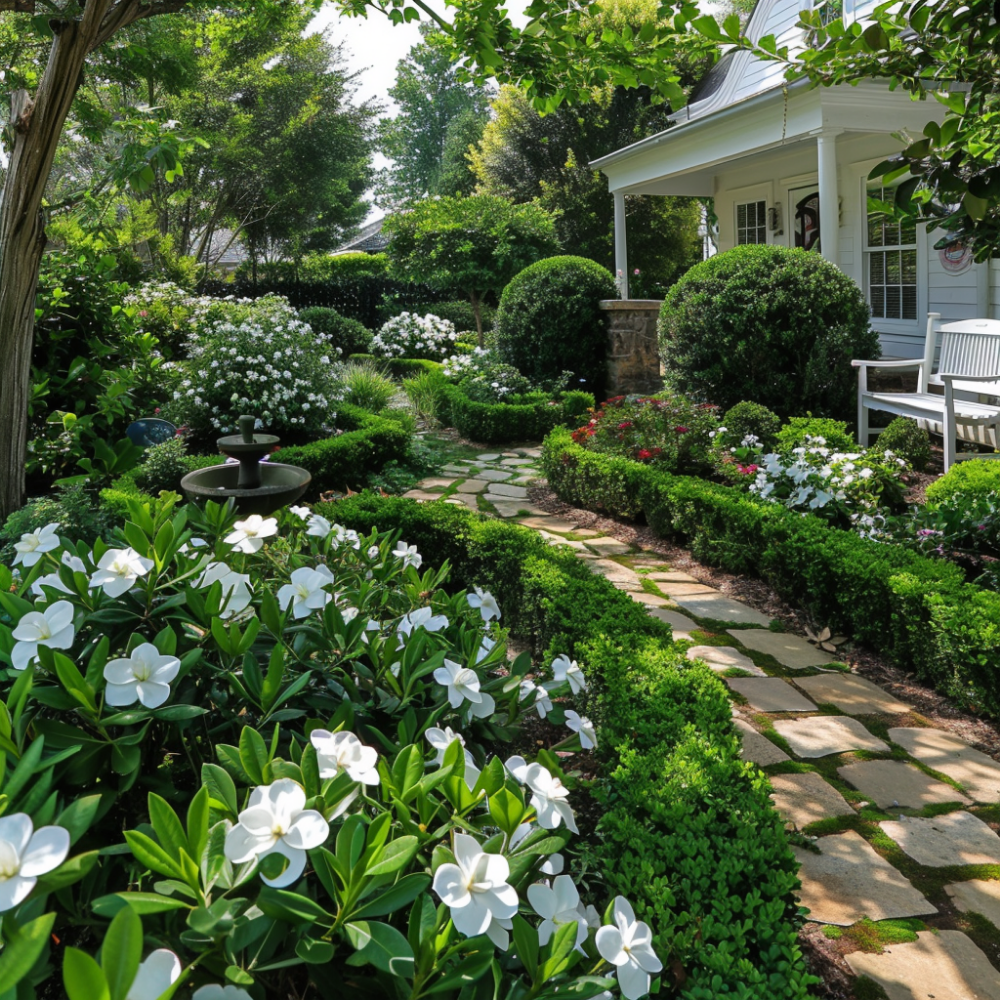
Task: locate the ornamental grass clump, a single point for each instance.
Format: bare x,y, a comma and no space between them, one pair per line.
245,758
256,357
408,335
667,430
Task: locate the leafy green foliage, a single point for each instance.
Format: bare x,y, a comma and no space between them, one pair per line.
347,335
796,432
527,417
769,324
751,418
163,466
71,507
976,477
905,438
367,386
550,321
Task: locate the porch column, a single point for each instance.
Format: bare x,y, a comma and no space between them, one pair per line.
829,202
621,250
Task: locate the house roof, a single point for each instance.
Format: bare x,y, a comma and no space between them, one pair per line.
370,239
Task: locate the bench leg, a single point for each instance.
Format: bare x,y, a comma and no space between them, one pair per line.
863,433
950,430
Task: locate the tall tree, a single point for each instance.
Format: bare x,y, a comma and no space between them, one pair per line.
431,99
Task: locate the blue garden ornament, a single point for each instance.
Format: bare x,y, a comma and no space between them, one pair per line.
149,431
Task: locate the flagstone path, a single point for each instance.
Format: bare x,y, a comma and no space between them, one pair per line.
889,817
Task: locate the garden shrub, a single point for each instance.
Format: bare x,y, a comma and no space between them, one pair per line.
346,335
917,610
975,477
686,826
71,507
770,324
408,335
798,431
747,418
460,313
519,418
367,386
905,438
549,321
427,393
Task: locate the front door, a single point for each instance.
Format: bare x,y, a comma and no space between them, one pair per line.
803,209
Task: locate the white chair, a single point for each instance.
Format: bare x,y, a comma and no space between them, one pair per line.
968,366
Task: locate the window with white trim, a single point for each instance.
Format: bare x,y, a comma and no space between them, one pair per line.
751,222
890,260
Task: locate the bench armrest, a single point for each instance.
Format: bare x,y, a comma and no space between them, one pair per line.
948,377
906,363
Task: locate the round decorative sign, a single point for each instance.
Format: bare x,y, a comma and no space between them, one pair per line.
956,258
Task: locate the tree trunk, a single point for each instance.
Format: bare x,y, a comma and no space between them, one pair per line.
477,304
37,127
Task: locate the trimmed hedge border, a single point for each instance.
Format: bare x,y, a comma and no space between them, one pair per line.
688,832
400,367
919,611
368,442
500,423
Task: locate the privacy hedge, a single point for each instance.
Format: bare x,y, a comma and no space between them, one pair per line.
367,443
919,611
687,831
529,418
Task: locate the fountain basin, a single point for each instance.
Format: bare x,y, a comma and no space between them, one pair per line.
280,485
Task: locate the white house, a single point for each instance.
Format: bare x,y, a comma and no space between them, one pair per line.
788,164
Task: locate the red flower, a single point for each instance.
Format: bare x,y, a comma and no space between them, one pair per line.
644,455
624,424
680,430
747,470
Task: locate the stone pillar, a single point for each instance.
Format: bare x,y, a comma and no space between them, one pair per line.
633,351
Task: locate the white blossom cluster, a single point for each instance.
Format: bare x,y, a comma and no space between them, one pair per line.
258,358
412,336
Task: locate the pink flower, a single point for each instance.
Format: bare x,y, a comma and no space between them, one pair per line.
747,470
680,430
636,272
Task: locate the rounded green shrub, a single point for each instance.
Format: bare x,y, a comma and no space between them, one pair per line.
972,478
751,418
350,335
798,430
459,312
549,321
904,438
770,324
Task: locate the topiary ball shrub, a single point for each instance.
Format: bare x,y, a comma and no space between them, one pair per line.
770,324
972,478
904,438
800,432
350,335
550,321
752,418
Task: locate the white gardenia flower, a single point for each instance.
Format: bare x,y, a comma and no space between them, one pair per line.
155,976
422,618
345,536
475,888
548,799
409,554
628,945
440,740
214,992
144,676
318,526
517,766
343,751
463,686
277,822
486,645
34,544
305,593
558,905
53,580
486,603
118,571
52,627
26,853
304,513
235,587
565,670
543,703
582,725
248,536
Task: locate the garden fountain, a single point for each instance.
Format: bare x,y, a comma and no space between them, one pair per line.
256,487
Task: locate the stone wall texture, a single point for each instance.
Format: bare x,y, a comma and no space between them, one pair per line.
633,353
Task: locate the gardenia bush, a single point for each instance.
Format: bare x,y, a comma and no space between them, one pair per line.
410,336
287,721
256,357
486,378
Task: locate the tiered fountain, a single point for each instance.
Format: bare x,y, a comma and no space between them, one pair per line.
257,487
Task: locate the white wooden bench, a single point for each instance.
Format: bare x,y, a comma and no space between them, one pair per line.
968,366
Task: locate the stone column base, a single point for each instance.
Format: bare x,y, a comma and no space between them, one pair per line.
633,352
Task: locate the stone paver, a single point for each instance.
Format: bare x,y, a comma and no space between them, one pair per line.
806,798
435,483
421,495
684,589
494,475
945,966
977,773
459,470
509,507
518,461
770,694
506,490
722,608
557,524
491,456
472,486
525,480
822,735
673,618
847,880
890,783
851,694
789,650
723,657
608,546
469,499
977,896
585,533
613,571
757,748
957,838
651,599
671,576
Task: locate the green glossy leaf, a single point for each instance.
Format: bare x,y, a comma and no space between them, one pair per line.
83,977
381,945
395,855
401,894
121,952
24,947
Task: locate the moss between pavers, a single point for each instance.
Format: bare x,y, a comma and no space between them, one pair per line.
873,935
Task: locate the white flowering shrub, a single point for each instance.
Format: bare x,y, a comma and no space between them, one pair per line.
243,758
850,486
256,357
411,336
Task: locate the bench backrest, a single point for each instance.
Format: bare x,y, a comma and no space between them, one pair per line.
968,347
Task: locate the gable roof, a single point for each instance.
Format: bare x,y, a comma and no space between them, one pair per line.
370,239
